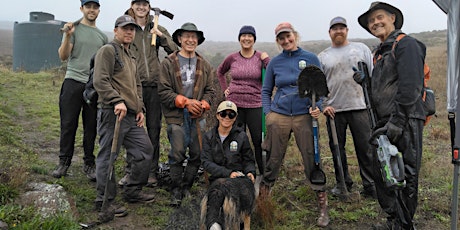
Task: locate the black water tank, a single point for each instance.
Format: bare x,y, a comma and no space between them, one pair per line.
36,43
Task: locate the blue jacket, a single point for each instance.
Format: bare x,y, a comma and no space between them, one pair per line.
282,73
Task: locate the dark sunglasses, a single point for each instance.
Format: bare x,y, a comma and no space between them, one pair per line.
231,114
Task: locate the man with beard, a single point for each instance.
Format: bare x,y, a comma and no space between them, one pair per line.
80,42
345,103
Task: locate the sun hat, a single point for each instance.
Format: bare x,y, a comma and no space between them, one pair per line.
189,27
227,105
399,19
247,30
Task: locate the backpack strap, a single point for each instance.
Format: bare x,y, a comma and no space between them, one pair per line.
393,47
117,56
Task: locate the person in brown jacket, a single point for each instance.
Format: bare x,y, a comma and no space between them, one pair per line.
185,90
148,69
120,97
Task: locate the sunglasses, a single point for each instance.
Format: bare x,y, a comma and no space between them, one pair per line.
230,114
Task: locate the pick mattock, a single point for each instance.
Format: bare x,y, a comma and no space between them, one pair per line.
106,215
155,21
312,83
345,194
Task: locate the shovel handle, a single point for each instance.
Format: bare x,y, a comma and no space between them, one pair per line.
155,27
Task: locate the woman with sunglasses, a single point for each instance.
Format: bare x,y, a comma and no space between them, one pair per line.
226,148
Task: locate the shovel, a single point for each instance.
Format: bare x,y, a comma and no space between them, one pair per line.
345,194
312,83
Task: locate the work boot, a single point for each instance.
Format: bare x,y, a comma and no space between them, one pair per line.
60,171
152,181
323,219
139,197
118,210
90,171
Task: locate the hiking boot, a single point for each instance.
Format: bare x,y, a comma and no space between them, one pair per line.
176,197
90,172
139,197
118,210
152,181
122,181
60,171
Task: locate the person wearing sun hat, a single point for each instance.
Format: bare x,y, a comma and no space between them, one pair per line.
245,69
186,90
396,89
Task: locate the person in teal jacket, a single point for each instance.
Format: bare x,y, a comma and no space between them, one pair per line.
287,113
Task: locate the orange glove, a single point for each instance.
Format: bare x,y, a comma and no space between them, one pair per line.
205,105
181,101
194,107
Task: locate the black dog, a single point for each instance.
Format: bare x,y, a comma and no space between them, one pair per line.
228,203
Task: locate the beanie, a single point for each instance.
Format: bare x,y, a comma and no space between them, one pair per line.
247,30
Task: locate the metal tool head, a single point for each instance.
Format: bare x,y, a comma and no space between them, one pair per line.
158,11
312,81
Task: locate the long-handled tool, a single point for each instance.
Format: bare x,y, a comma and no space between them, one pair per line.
345,194
312,83
106,215
157,13
66,28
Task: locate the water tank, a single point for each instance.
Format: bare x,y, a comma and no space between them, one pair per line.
35,43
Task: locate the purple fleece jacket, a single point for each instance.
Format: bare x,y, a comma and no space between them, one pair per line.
246,79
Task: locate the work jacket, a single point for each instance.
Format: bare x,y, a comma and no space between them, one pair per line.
397,80
234,154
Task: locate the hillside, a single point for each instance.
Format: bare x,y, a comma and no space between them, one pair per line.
215,52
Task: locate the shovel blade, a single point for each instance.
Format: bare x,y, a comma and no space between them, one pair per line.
318,177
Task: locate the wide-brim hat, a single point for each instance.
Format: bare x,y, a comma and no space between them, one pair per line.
189,27
381,6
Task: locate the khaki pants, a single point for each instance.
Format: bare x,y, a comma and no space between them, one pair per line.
279,129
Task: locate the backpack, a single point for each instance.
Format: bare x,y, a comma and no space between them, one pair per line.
90,94
428,97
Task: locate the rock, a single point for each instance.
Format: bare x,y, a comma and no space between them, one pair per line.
3,225
48,199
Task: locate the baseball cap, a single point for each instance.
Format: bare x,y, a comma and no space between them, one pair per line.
227,105
125,20
83,2
338,20
283,27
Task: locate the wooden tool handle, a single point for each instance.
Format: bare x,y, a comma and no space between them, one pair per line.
155,26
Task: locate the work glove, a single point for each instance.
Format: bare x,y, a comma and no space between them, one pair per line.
195,108
358,76
392,131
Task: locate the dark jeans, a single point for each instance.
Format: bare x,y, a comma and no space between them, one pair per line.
138,148
401,205
358,121
152,105
252,118
70,104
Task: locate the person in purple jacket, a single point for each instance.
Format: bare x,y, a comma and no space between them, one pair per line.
245,70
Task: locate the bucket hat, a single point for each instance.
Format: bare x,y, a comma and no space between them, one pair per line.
189,27
382,6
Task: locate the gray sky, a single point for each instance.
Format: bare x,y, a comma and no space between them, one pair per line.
221,20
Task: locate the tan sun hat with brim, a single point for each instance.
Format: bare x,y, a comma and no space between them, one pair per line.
399,19
189,27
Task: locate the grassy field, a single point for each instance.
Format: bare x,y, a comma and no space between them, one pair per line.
29,145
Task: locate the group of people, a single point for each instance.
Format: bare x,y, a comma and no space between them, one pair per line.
140,89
